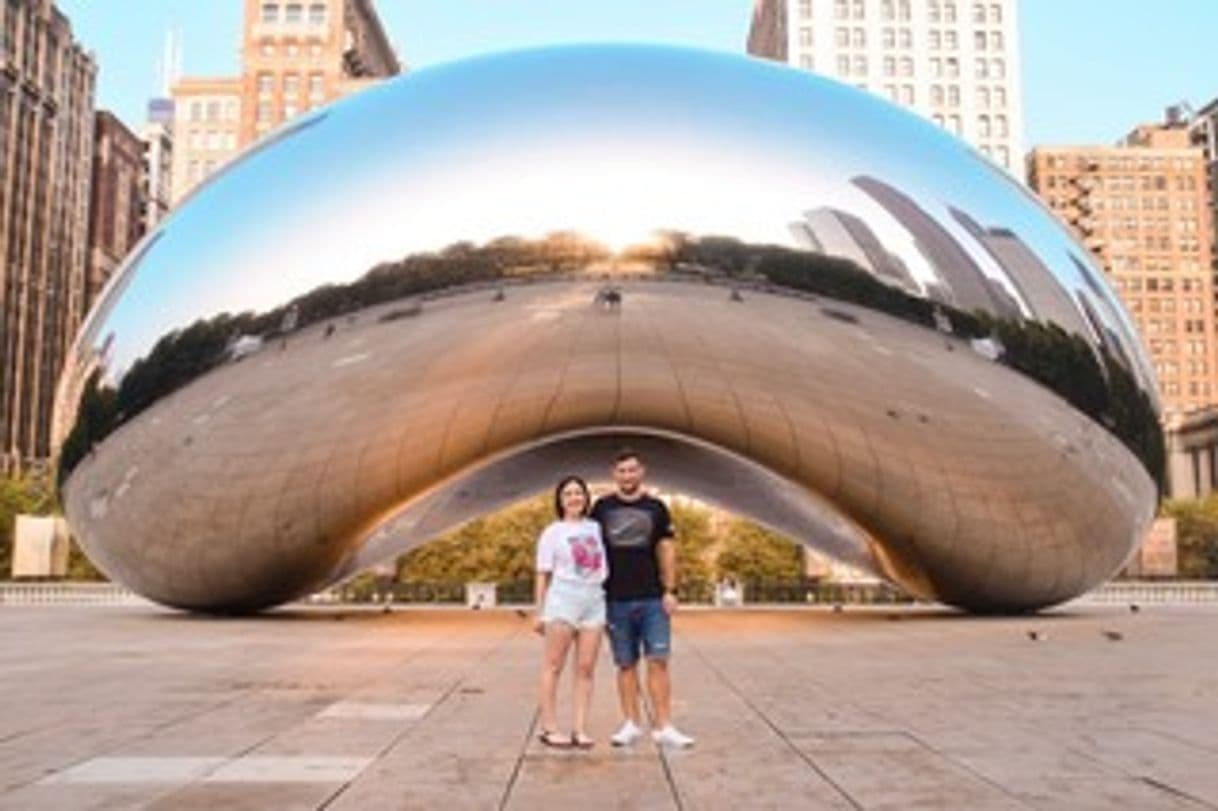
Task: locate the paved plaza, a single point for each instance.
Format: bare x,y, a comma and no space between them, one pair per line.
138,707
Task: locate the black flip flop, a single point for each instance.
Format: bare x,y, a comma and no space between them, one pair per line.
553,740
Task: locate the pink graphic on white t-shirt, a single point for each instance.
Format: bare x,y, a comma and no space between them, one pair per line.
586,554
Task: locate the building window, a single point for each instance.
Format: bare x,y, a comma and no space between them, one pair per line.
291,85
937,118
213,111
264,111
951,40
949,12
317,14
268,48
906,66
978,13
806,62
1000,97
936,97
982,71
983,97
907,94
859,38
936,67
231,110
995,13
266,84
953,95
270,12
996,40
841,9
953,122
998,69
936,41
903,10
196,111
805,9
843,65
1003,129
979,40
887,10
842,37
889,38
805,37
932,11
1004,157
890,66
293,13
316,85
953,68
315,49
906,38
289,111
983,126
860,65
859,9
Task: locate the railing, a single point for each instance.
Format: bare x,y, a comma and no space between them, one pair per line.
1154,591
67,593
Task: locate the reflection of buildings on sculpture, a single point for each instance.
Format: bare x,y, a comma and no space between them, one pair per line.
833,232
968,287
1043,294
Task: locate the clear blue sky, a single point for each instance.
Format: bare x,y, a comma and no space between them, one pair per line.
1091,68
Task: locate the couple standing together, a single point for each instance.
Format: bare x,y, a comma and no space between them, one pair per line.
608,567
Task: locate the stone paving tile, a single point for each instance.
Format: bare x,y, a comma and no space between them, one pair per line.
810,709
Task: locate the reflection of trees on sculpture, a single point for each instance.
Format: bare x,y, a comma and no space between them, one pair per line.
1087,377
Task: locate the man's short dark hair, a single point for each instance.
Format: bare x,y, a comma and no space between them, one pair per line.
625,455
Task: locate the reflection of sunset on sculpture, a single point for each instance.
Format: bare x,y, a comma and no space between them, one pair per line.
809,306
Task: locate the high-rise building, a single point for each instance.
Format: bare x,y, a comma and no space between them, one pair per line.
295,56
953,61
46,147
116,214
158,162
1142,208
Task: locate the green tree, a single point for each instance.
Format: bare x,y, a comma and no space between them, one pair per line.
1197,536
497,548
751,553
695,542
22,495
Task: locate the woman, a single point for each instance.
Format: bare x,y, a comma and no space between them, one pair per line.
571,567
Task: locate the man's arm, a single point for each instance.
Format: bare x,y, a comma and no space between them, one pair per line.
666,557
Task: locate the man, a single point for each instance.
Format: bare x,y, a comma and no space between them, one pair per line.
640,598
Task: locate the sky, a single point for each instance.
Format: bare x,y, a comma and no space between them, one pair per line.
1088,77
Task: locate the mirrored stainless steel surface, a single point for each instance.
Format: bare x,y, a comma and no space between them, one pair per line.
438,296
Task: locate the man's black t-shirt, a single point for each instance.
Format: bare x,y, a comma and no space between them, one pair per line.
632,530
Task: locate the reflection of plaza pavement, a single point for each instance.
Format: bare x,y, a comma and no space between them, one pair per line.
138,708
258,477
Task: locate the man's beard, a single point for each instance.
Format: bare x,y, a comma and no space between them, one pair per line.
629,489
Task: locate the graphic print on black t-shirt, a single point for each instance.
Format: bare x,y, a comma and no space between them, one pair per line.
628,527
631,531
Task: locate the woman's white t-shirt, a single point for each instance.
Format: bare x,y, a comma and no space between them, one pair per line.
573,551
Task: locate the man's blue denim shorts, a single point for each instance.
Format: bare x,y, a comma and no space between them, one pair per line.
635,624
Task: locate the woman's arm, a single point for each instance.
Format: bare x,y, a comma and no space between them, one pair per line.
541,582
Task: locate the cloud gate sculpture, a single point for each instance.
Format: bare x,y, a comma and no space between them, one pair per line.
433,298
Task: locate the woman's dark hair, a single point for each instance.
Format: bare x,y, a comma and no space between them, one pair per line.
558,495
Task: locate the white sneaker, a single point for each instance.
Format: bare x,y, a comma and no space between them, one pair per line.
670,736
627,734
